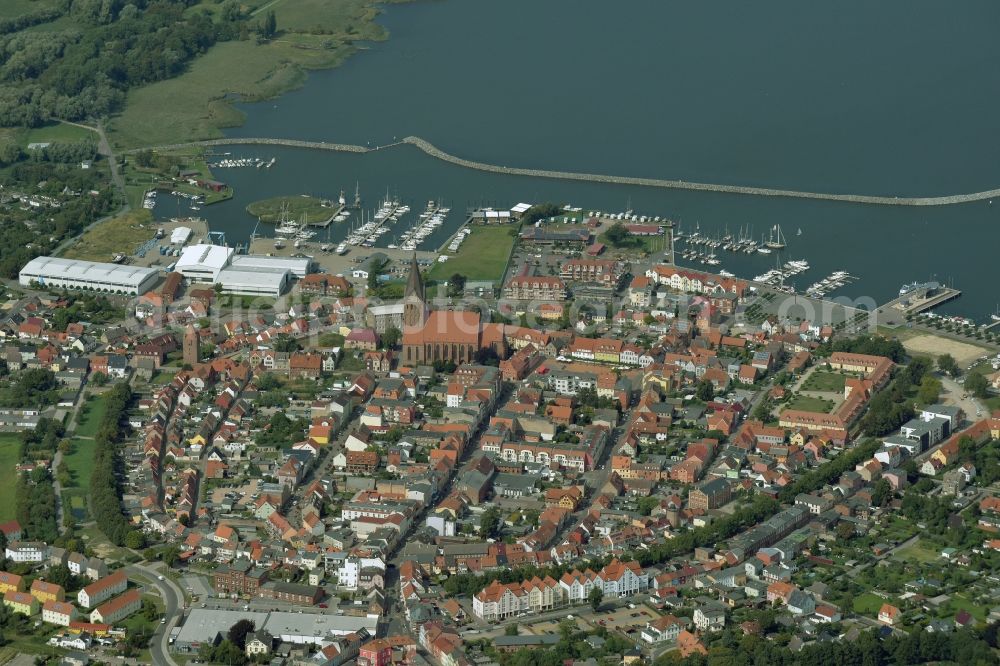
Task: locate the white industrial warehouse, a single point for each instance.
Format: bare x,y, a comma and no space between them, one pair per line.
207,625
92,275
249,275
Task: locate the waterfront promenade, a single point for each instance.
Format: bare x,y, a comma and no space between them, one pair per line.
434,151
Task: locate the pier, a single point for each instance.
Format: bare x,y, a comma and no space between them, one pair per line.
896,310
324,223
432,150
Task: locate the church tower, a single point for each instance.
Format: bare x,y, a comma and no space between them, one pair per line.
414,301
190,346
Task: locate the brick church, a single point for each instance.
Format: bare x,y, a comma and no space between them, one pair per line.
442,335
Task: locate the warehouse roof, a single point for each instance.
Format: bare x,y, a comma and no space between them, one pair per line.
206,256
204,624
297,265
75,269
258,277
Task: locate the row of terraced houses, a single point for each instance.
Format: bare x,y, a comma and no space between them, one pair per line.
499,601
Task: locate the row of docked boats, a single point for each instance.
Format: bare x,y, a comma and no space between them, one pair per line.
427,223
370,230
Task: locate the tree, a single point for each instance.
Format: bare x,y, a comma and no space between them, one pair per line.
930,390
489,523
647,504
98,378
762,412
595,597
238,633
391,337
170,554
285,343
511,629
60,575
269,28
135,540
845,531
946,363
977,385
619,236
882,492
705,391
456,285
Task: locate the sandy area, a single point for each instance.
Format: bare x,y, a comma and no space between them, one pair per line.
962,352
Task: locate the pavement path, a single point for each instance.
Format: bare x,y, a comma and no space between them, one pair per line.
57,489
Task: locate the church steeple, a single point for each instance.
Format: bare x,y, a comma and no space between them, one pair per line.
414,284
414,301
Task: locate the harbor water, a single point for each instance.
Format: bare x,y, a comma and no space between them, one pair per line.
895,98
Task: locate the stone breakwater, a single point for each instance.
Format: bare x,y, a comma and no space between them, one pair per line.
432,150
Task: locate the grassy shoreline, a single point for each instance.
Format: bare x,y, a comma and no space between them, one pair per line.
198,104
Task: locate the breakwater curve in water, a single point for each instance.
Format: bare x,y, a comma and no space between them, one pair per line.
433,151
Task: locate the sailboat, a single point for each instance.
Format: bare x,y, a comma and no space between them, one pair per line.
799,232
764,245
776,240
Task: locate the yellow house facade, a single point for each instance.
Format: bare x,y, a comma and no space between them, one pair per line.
10,583
21,602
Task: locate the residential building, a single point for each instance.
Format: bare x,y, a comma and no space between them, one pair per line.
710,494
663,629
10,582
259,642
58,612
44,591
21,602
27,551
118,608
103,589
710,616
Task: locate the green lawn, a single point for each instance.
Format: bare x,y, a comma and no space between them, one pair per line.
957,603
647,244
10,448
826,382
919,553
80,459
90,419
57,132
80,462
868,604
808,403
163,376
482,256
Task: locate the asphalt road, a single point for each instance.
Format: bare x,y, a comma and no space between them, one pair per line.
173,601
